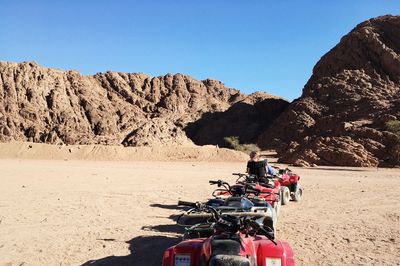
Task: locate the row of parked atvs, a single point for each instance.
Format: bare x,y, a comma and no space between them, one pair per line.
237,226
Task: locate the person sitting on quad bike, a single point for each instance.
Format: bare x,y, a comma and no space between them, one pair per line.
260,168
256,166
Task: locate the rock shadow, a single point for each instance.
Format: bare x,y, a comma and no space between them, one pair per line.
242,120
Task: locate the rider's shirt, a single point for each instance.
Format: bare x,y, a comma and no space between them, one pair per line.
256,168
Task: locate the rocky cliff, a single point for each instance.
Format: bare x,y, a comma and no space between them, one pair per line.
53,106
342,116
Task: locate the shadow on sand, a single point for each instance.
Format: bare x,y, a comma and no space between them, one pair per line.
165,228
338,168
145,250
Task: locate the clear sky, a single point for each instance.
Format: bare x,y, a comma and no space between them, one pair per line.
251,45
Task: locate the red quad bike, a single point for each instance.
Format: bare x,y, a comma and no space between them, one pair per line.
270,188
290,185
228,240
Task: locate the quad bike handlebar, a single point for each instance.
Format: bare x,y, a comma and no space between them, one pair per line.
219,191
187,203
251,189
239,174
198,209
203,210
235,214
267,231
247,189
247,178
220,183
252,179
226,222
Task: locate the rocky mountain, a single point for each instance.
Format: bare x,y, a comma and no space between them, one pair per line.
53,106
343,114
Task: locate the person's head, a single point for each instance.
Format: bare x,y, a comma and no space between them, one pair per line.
254,155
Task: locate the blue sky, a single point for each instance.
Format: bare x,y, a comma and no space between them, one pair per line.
251,45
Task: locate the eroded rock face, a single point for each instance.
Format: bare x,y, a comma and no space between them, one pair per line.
52,106
340,117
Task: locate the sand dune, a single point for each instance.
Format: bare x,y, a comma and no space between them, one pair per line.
86,212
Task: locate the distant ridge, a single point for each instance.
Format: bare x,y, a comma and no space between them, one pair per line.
53,106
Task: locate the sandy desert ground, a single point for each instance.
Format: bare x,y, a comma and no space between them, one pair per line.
80,212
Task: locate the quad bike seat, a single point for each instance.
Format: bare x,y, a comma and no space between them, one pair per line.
232,260
204,230
284,171
259,202
268,185
216,202
225,247
238,202
226,251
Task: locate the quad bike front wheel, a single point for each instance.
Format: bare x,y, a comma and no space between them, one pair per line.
298,193
285,195
278,205
271,221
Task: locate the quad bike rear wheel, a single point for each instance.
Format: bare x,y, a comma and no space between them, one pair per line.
285,195
298,193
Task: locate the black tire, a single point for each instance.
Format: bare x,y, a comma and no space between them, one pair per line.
285,195
271,221
298,193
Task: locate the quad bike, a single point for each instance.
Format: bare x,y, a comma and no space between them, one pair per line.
270,188
289,183
290,186
228,240
236,200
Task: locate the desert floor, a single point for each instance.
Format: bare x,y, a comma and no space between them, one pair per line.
66,212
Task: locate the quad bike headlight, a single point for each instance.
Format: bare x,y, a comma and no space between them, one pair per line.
182,260
273,261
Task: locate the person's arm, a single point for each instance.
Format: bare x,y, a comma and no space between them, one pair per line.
248,168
